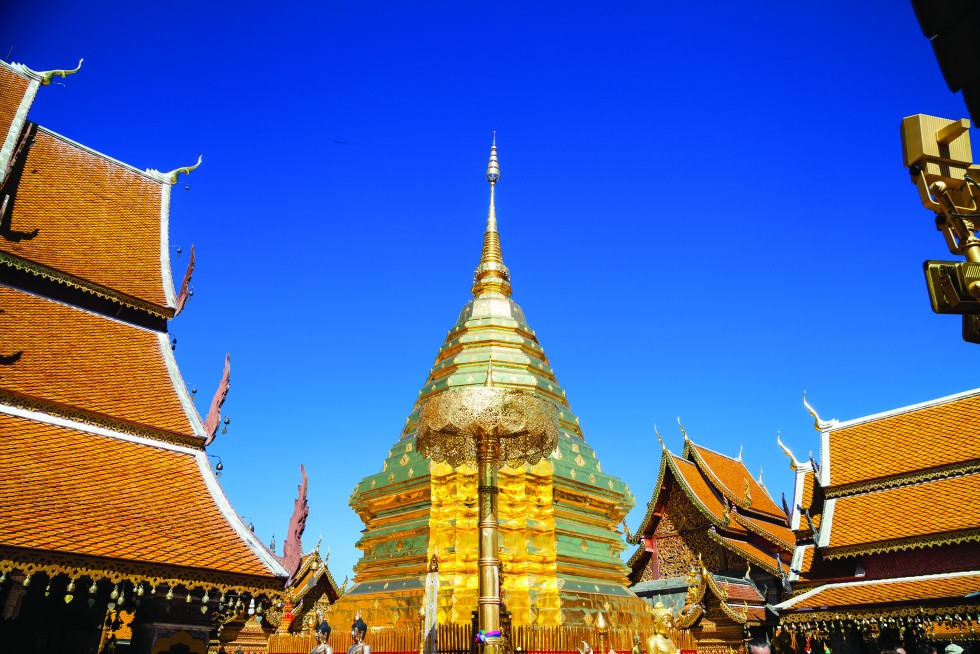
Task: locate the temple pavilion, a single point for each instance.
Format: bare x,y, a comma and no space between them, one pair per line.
888,529
713,546
559,539
114,532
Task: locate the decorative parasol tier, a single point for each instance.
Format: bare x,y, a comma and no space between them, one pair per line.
522,427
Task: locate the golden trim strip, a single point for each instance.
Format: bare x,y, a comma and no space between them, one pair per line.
52,564
89,287
85,418
907,479
919,542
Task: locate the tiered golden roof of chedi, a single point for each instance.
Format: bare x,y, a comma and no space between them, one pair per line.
107,493
560,543
889,522
710,525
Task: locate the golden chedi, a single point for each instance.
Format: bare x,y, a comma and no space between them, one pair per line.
559,541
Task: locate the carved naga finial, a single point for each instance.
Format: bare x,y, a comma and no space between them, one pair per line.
171,177
740,446
683,431
46,76
760,475
213,420
630,537
662,444
292,550
185,291
818,423
793,463
748,493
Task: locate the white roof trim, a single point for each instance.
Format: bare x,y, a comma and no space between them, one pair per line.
193,417
17,125
826,523
795,512
907,409
142,173
797,562
165,271
824,459
233,519
875,582
45,418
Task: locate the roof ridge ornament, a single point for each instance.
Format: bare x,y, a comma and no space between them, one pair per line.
171,177
818,423
45,76
793,463
740,446
662,444
683,431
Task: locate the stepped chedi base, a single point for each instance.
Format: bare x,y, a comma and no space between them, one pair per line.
559,543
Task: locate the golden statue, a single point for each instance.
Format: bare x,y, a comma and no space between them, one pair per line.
660,642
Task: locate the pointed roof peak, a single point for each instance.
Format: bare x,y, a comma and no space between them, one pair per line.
492,276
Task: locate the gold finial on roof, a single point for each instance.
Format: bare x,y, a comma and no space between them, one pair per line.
683,431
658,437
492,275
171,177
793,463
818,423
45,76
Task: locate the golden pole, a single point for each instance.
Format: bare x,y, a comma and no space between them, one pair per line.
488,562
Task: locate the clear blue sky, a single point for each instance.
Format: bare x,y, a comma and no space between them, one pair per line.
703,208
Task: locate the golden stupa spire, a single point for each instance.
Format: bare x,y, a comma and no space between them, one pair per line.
492,276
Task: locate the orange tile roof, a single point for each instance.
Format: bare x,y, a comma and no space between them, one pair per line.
96,220
691,477
917,439
755,554
745,591
74,492
80,361
906,590
779,534
809,487
808,484
813,567
732,475
12,90
931,509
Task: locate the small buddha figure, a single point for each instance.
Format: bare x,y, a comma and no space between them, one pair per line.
636,645
357,631
660,642
322,634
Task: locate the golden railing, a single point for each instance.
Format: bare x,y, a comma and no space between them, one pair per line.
458,639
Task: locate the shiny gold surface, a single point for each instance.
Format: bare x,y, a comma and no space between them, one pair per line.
487,426
515,426
558,519
663,621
